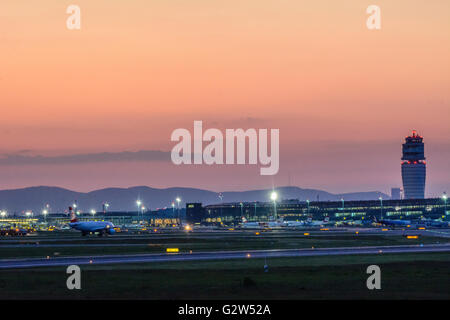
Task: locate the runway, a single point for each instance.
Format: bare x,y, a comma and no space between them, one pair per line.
215,255
66,241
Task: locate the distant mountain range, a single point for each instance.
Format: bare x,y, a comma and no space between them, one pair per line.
124,199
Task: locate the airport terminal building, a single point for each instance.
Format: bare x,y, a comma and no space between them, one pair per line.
118,218
230,213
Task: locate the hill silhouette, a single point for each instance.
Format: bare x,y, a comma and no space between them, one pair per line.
124,199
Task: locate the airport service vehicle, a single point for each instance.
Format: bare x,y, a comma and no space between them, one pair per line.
187,227
135,227
86,227
13,232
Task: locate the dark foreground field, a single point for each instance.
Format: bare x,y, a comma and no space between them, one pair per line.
403,276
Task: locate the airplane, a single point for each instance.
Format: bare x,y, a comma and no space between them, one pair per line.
261,224
280,223
294,223
393,223
276,223
354,222
315,223
253,225
86,227
437,223
304,223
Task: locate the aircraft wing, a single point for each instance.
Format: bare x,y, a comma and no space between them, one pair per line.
96,229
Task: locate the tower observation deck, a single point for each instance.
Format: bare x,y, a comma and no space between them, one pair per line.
413,167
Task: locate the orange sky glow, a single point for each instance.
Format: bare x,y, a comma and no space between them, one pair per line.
342,96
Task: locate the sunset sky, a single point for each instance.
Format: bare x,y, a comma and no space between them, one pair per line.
344,97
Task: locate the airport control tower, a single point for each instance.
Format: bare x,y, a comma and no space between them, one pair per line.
413,167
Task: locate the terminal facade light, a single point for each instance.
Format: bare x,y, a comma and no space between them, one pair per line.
273,196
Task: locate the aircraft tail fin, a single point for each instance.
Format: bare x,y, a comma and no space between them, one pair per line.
73,216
